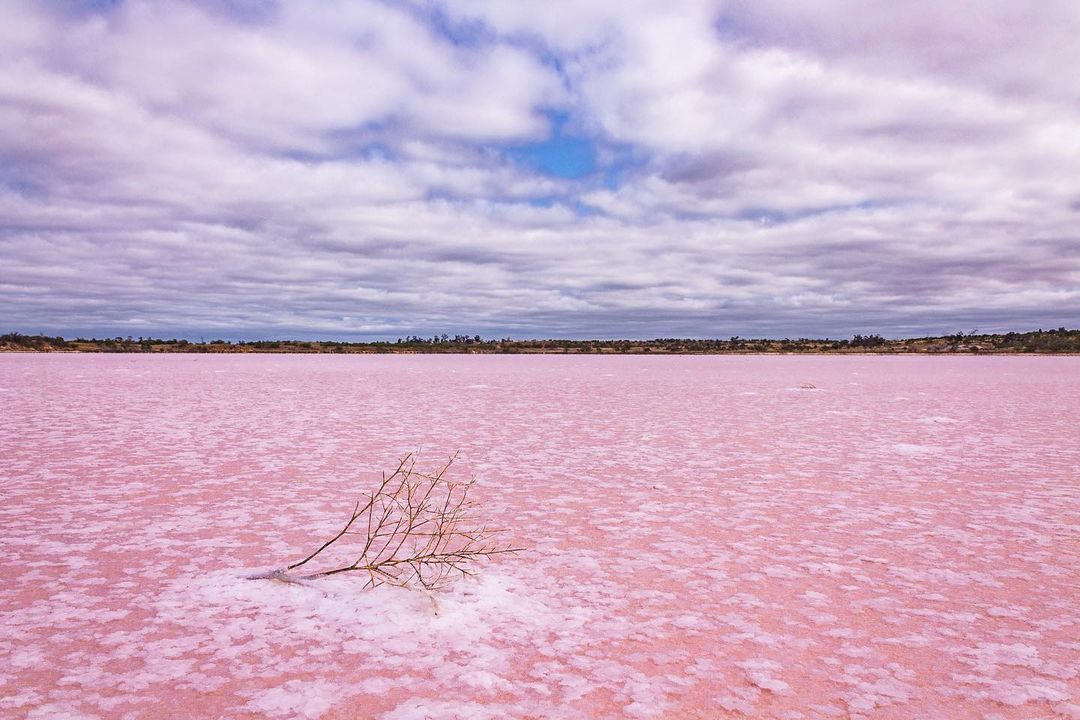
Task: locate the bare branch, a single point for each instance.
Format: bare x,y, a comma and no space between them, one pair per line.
417,529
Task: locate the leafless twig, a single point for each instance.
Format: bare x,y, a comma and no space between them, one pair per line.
415,529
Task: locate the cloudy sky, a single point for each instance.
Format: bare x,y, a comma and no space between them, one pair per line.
602,168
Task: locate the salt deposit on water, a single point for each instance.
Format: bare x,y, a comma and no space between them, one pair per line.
708,537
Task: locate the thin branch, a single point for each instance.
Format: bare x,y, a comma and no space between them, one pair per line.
417,528
357,512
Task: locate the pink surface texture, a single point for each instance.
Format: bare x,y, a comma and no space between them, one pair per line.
708,537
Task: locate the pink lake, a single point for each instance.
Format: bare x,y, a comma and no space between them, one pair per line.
707,538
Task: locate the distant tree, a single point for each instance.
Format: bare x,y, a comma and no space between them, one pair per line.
867,341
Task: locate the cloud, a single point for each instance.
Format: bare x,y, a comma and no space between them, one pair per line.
690,168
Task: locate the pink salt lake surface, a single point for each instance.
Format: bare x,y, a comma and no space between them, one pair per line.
707,537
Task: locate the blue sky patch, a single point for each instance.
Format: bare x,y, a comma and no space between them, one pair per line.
562,156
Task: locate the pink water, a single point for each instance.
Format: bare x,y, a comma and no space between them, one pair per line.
707,538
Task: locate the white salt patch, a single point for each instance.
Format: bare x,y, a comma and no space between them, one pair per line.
379,685
761,673
1020,693
688,621
27,657
483,679
780,571
297,699
987,656
913,450
741,700
25,697
53,711
641,710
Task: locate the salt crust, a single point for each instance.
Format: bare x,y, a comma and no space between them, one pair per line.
704,542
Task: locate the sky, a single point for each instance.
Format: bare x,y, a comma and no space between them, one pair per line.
251,169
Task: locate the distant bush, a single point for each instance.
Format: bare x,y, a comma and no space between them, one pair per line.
868,341
32,342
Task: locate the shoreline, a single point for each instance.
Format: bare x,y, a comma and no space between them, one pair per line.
914,353
1060,341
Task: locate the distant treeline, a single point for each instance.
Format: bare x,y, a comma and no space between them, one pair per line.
1038,341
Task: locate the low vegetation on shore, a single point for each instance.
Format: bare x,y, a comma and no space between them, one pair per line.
1038,341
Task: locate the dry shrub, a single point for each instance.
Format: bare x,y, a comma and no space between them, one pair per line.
417,529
